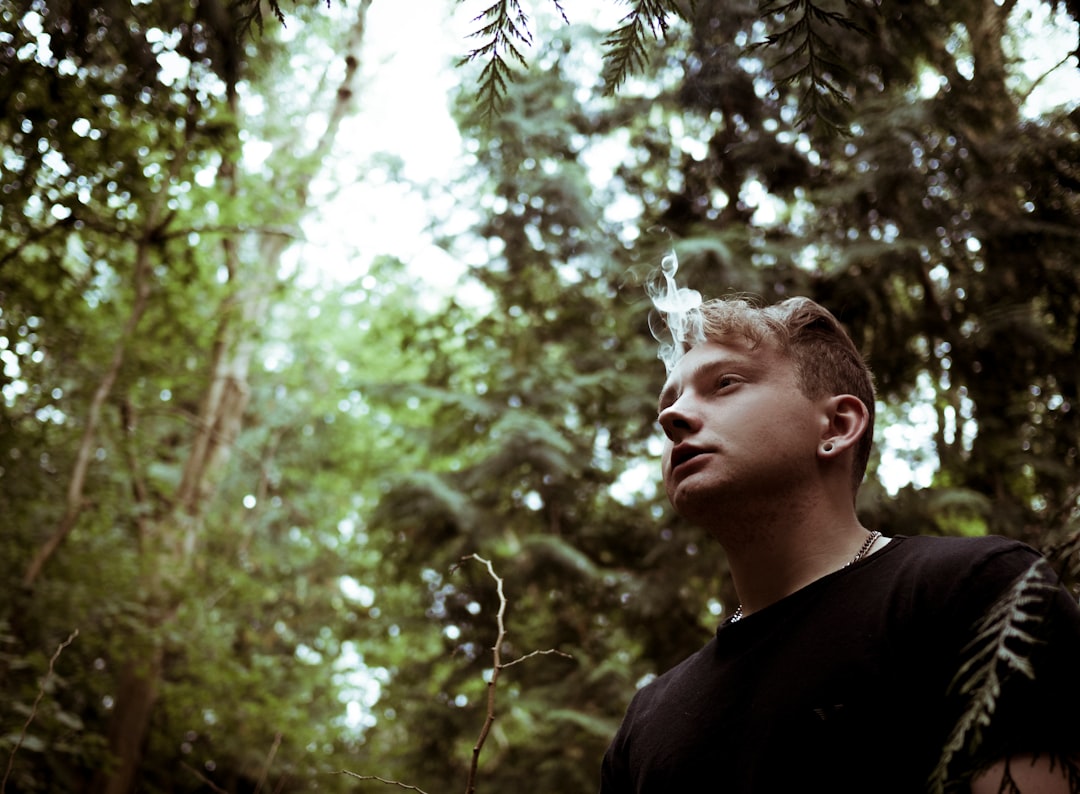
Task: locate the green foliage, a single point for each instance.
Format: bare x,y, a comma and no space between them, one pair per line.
881,226
807,55
504,28
201,571
380,439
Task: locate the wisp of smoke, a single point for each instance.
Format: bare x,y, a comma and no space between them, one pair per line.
676,321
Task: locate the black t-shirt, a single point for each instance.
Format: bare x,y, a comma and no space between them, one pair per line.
842,686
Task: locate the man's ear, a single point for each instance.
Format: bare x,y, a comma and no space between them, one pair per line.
846,418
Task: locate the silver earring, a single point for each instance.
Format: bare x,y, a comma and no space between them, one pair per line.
827,447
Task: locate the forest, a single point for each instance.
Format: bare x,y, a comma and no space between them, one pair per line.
268,528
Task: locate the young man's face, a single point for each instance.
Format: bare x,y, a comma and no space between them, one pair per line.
738,427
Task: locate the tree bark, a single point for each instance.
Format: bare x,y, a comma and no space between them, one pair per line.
137,692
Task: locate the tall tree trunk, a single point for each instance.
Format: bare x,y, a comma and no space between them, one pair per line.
173,540
137,692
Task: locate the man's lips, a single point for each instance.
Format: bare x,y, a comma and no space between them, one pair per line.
684,453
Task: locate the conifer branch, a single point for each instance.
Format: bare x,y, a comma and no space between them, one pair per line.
627,53
249,13
504,27
811,60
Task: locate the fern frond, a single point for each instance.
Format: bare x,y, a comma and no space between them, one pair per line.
504,28
810,57
1001,648
1065,552
626,44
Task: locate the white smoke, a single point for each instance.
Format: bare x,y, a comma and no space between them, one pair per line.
676,323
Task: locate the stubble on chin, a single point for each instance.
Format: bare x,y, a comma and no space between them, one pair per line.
702,506
732,519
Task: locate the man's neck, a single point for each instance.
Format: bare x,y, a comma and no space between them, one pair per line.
772,558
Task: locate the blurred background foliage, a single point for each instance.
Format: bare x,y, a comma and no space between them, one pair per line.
247,491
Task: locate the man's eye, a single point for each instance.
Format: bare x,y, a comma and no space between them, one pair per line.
725,380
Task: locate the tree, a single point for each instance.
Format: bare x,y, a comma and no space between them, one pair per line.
141,256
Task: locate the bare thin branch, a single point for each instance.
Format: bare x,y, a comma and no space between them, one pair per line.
1031,89
204,779
498,665
269,761
397,783
548,652
34,707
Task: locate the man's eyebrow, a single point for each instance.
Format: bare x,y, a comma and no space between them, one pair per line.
705,369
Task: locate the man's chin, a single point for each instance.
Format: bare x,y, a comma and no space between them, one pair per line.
697,502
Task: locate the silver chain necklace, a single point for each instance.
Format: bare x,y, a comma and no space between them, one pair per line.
870,541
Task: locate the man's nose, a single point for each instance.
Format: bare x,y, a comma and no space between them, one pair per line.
679,420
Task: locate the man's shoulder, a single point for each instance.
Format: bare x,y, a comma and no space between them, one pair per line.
955,578
973,552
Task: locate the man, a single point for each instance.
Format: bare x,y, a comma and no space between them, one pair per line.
854,662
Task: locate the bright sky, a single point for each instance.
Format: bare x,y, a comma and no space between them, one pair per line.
403,111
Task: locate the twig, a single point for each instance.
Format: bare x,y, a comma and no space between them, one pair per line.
498,665
531,654
34,707
496,655
1031,88
204,779
397,783
269,760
